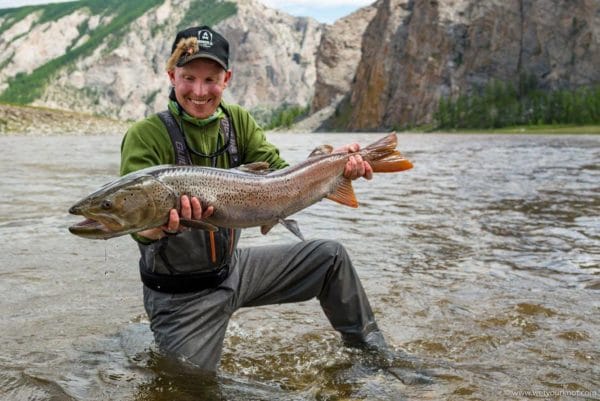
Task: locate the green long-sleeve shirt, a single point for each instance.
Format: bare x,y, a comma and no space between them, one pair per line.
147,142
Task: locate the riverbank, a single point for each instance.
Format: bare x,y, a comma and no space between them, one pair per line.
523,129
540,129
30,120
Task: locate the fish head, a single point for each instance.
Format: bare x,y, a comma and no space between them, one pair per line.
130,204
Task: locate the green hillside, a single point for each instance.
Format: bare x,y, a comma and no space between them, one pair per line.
25,88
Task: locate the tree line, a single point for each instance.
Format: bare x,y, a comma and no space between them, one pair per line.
286,115
502,104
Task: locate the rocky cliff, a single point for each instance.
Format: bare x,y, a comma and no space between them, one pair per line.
123,75
415,51
390,63
273,56
338,56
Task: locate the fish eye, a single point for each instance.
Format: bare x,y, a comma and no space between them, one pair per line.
106,204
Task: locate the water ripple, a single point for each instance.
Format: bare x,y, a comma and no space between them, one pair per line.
482,261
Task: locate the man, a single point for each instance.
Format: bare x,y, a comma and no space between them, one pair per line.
194,280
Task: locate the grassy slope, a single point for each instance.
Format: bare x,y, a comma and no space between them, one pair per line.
25,88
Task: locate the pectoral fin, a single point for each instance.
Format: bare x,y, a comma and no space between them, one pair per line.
344,194
266,228
202,225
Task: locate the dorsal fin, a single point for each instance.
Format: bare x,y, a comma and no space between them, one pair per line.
321,150
255,168
344,194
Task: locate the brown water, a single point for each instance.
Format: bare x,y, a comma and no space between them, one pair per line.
483,262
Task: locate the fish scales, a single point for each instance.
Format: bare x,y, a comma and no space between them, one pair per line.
240,197
246,199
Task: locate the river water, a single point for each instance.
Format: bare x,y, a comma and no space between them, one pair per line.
482,262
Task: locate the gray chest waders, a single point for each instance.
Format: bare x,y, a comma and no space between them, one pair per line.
193,260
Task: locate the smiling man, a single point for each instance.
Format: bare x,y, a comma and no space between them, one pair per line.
194,280
199,86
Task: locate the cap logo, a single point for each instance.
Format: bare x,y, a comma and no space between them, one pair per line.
205,39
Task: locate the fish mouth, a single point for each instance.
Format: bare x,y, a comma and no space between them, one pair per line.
100,226
90,228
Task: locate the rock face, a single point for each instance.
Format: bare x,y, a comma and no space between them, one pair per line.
272,58
390,62
337,57
426,49
127,82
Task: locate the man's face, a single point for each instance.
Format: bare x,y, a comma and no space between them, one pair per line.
199,86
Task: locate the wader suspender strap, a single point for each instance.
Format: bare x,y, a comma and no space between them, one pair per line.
182,154
227,129
176,283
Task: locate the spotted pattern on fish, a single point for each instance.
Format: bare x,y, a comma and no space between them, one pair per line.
241,199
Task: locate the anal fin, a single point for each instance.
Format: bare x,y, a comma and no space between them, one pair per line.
344,194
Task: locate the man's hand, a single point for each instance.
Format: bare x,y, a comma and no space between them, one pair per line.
191,208
356,166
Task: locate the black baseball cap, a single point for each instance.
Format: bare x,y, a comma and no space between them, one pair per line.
211,45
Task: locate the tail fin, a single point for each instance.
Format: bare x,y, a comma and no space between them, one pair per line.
383,156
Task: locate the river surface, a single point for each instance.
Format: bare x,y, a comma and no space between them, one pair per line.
482,262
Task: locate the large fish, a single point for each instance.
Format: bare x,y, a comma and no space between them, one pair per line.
248,196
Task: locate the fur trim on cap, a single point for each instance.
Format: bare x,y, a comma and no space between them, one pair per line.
185,48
